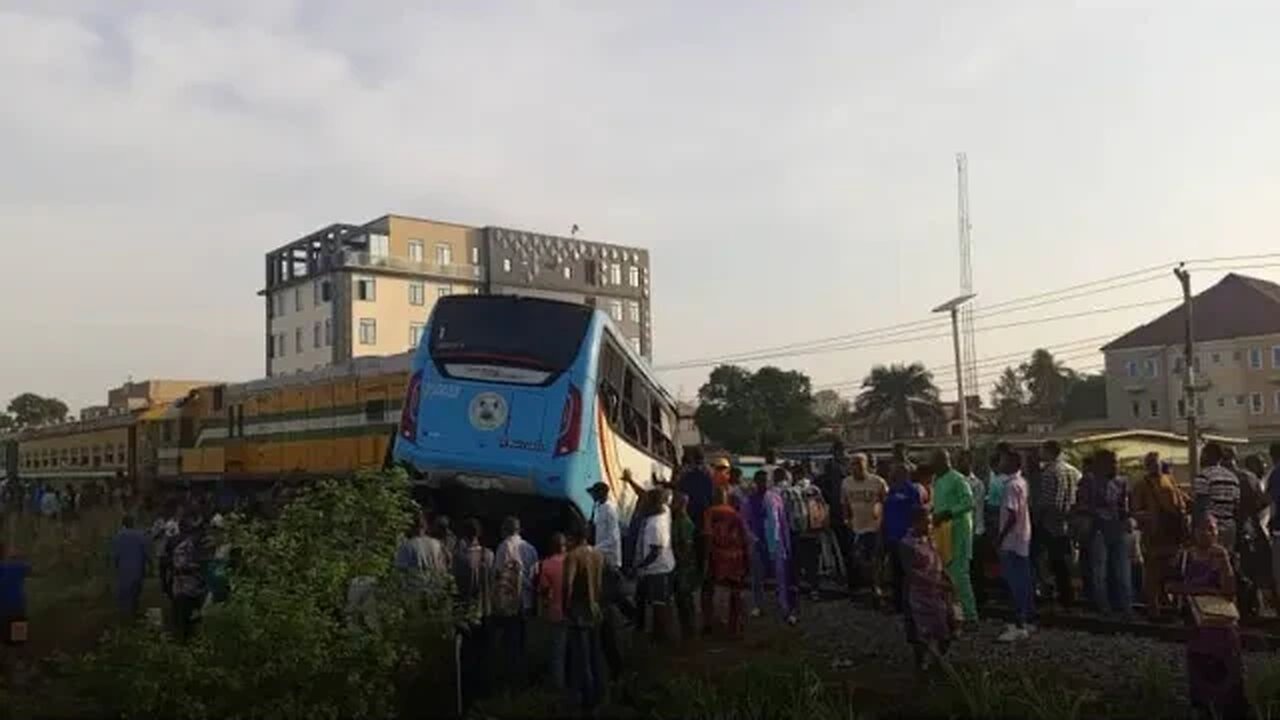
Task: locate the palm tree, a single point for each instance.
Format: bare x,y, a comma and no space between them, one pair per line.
1048,382
902,396
1008,398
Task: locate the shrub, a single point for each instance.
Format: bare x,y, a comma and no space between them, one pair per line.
282,645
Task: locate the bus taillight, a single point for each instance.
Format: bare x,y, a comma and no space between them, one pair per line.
570,423
409,413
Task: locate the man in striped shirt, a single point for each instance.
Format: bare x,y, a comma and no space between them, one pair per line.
1216,491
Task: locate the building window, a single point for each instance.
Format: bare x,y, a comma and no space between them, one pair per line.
316,336
378,246
506,265
615,310
415,334
1150,368
567,271
1155,408
615,274
475,255
1222,401
279,300
633,311
1131,368
297,340
1182,407
297,299
634,273
416,294
326,291
1239,401
1256,405
368,331
1277,401
444,254
415,250
1178,363
1255,358
328,333
444,290
635,344
1199,406
1195,363
1275,357
1235,356
280,345
366,289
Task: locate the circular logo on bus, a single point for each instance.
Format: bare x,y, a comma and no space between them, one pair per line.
488,411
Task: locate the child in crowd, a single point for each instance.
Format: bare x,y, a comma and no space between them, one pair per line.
930,620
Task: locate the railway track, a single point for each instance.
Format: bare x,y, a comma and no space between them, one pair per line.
1257,634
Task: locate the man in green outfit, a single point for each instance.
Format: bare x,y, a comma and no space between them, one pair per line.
953,503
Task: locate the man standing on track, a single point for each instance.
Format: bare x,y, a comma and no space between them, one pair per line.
1160,509
953,505
1051,509
862,501
1014,545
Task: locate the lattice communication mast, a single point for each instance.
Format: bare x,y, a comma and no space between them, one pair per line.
969,352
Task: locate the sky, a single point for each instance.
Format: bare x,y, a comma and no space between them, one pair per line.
791,167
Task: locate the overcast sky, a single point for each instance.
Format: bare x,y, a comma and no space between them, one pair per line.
791,166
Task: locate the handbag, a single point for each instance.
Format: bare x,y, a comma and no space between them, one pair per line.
16,632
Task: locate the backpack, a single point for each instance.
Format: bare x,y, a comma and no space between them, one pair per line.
508,587
793,502
817,512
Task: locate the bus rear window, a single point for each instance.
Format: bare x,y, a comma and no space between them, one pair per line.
507,331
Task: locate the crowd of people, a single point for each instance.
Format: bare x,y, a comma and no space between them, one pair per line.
935,541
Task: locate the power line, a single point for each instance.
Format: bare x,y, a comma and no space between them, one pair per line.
1072,346
918,325
900,332
935,336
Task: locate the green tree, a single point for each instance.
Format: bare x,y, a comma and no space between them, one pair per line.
6,422
901,396
749,412
1048,382
1009,399
32,410
1086,399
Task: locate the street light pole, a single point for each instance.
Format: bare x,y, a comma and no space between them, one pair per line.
953,307
964,405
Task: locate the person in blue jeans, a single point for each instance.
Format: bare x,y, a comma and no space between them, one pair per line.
1104,496
1014,544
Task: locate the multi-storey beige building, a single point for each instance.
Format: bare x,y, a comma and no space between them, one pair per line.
1236,365
348,291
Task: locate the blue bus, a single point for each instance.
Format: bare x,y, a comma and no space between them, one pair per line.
516,405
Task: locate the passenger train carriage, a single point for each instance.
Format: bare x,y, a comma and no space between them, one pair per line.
519,405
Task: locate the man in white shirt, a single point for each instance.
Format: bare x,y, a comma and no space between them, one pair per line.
656,563
608,531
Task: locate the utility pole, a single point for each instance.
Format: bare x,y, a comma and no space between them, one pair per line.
953,307
1189,388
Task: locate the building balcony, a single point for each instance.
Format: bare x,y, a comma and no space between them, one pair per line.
365,261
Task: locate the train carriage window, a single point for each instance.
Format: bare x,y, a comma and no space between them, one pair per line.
231,421
374,410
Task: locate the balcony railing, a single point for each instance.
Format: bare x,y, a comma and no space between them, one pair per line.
363,260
